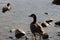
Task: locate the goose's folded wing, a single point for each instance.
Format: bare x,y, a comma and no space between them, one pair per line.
40,27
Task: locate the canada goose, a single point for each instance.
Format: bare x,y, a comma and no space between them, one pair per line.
19,33
46,23
36,28
6,8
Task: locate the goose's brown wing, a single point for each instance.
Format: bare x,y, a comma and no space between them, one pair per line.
35,29
40,27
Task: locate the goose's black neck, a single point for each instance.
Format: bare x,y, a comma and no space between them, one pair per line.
34,20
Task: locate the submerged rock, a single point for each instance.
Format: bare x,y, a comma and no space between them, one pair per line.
57,23
57,2
46,13
58,33
19,34
10,37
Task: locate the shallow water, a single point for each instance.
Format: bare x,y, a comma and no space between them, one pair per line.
17,17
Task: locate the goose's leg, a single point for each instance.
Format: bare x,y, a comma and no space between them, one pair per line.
40,37
35,37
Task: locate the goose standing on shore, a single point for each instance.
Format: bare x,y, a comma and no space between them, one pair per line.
6,8
36,28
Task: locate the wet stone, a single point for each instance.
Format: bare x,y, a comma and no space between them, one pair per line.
58,33
57,2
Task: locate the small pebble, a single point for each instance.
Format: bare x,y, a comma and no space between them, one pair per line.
10,37
58,33
46,13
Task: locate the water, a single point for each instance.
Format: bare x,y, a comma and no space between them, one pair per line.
17,17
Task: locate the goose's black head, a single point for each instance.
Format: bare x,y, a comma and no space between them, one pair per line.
34,17
8,4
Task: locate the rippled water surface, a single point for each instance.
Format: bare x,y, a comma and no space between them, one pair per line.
17,17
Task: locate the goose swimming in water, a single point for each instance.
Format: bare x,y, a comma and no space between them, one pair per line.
46,23
36,28
6,8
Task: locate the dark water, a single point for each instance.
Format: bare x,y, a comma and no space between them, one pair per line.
17,17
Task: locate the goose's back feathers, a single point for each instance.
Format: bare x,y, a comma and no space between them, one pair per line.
37,28
40,27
